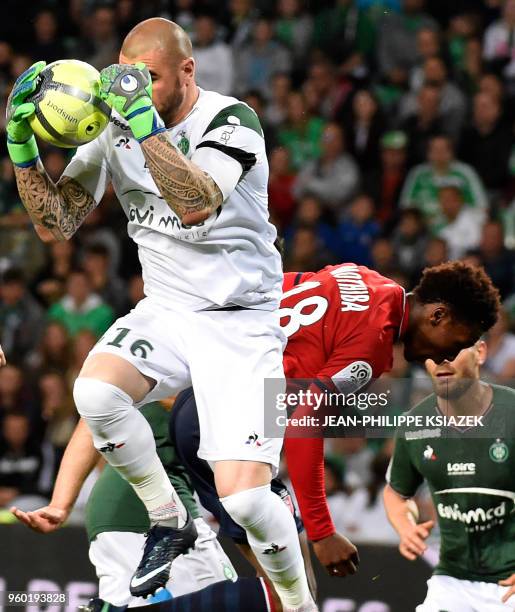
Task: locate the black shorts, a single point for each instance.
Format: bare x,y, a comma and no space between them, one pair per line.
185,435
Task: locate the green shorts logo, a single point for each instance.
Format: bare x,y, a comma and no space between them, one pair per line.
498,451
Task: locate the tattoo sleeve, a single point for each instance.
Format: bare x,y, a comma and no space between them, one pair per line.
189,191
60,208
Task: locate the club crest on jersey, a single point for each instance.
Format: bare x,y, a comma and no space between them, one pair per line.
499,451
184,144
429,453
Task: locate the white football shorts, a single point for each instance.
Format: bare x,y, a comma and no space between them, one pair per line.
225,355
448,594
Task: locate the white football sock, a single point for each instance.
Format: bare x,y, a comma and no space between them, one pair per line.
128,446
273,537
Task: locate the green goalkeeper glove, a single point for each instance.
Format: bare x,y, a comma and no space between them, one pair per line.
21,142
128,89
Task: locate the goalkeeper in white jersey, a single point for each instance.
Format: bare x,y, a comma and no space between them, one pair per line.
190,170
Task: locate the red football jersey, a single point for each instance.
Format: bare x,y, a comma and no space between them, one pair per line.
341,324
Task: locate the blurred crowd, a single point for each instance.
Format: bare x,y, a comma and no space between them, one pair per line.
389,127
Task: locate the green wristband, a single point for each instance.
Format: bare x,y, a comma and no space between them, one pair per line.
23,154
145,122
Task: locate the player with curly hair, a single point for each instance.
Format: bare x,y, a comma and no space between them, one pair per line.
342,323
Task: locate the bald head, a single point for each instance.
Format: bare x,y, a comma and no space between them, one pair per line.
157,34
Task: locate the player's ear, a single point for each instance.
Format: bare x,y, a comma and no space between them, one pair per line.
188,68
482,351
438,315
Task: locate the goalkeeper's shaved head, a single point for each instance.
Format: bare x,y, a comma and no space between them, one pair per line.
157,34
165,48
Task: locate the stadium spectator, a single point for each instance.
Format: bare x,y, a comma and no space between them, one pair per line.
464,28
106,284
306,251
397,40
346,35
81,308
258,60
294,28
498,48
331,88
46,43
421,188
213,57
19,64
498,261
241,21
310,213
428,46
126,16
21,464
49,284
95,229
52,352
366,518
312,98
473,67
384,182
363,129
452,104
423,124
101,45
82,344
357,231
491,84
21,317
460,226
357,456
384,258
184,15
301,133
280,187
334,177
58,412
276,111
13,219
486,143
6,57
435,253
409,240
337,492
500,359
16,395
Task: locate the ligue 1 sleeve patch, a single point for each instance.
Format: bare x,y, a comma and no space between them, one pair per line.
352,377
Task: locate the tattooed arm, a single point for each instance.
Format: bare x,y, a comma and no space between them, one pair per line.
189,191
57,210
